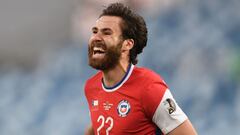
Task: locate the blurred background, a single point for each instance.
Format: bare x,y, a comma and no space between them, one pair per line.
193,44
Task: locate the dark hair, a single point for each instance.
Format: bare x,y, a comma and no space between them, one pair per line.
133,27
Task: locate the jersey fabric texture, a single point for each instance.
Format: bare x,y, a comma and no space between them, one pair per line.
139,104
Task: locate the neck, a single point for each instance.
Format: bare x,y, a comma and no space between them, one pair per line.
115,75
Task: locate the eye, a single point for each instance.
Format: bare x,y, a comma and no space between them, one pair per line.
107,33
94,31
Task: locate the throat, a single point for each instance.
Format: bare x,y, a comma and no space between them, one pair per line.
115,77
109,83
112,79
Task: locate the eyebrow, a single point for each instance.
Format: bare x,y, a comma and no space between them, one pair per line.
94,28
106,29
103,29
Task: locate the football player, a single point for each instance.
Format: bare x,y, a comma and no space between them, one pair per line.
125,99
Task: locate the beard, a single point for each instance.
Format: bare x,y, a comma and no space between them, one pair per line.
110,59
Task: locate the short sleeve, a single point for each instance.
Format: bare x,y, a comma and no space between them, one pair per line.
151,97
168,115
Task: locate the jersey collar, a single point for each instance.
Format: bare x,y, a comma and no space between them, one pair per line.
120,83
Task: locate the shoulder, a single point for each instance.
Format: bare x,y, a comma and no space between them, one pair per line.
153,90
151,83
148,75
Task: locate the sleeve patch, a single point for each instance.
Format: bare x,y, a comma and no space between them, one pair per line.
169,105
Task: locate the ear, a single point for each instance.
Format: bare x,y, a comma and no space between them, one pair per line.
127,44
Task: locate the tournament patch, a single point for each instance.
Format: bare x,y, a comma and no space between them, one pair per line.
123,108
170,105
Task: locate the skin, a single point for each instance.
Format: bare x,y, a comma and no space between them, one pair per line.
108,29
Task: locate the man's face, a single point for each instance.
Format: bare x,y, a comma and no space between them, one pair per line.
105,43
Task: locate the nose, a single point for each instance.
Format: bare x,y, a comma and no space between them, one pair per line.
96,37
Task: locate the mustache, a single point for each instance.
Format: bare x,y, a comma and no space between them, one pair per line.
99,44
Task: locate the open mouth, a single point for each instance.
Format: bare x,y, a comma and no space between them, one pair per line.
98,52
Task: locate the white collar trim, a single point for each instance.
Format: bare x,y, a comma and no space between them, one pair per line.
119,84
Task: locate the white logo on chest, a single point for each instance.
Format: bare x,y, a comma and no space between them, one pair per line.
107,105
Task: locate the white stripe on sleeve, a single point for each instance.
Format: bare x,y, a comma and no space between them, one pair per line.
168,114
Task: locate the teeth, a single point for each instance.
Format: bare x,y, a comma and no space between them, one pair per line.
98,49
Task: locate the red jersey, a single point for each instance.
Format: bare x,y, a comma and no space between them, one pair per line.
138,104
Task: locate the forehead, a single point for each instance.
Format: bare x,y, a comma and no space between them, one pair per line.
112,22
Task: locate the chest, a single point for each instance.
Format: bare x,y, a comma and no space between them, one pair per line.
118,112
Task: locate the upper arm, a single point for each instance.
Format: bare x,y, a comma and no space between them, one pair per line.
161,107
185,128
168,114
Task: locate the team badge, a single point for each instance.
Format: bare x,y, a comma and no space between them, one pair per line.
123,108
170,105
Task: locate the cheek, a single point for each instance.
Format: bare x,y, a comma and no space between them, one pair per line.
90,41
111,41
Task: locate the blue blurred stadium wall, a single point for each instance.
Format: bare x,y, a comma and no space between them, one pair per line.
194,45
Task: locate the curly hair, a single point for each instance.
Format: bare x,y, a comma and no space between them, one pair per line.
133,27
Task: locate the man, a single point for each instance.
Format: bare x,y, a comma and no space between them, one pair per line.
124,99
